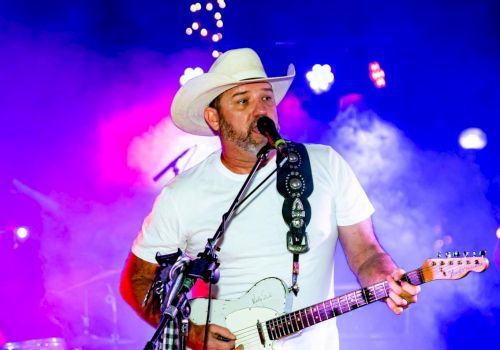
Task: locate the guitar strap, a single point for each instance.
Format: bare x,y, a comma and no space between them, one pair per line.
295,184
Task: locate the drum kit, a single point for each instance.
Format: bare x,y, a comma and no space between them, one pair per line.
86,340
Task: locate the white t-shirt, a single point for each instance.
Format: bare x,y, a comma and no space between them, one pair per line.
189,210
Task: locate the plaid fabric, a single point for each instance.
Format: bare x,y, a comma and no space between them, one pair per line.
170,339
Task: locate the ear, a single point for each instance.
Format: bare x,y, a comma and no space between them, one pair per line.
212,118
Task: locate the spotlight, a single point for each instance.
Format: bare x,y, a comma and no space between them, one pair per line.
320,78
377,74
190,73
498,233
22,233
472,138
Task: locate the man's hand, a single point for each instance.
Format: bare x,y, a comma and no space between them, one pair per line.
219,338
402,293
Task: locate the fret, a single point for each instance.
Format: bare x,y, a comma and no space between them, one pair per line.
298,320
279,327
290,323
286,325
337,307
316,314
329,308
271,330
351,301
343,303
305,316
359,299
310,315
321,308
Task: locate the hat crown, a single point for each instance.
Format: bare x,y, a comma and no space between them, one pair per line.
239,64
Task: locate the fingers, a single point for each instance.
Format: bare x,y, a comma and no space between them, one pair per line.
220,338
402,293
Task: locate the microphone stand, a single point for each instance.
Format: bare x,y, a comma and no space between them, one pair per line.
185,272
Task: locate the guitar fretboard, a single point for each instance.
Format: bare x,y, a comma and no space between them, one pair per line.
293,322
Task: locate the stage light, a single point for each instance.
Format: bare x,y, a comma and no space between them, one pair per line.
219,24
22,233
204,32
198,6
190,73
192,8
189,31
472,138
320,78
217,16
498,233
215,38
216,53
209,6
195,25
377,74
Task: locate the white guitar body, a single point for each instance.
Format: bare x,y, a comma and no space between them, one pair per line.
264,301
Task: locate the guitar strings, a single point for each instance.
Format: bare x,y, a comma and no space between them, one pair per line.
250,334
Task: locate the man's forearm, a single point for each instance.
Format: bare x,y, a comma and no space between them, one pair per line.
137,278
375,268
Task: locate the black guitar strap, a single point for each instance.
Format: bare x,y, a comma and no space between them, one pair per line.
295,184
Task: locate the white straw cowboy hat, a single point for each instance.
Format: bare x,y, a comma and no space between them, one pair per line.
233,68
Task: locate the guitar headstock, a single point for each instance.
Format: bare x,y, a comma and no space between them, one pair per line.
454,266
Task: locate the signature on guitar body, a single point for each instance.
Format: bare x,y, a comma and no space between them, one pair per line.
258,321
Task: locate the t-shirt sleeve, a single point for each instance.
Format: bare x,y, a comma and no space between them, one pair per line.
160,230
351,202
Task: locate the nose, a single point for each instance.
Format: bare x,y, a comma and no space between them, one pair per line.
261,108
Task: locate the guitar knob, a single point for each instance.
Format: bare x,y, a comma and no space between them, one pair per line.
474,254
448,254
456,254
466,254
439,255
482,253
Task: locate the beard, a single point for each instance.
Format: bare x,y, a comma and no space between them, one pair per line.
242,140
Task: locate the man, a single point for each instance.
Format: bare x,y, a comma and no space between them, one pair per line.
227,101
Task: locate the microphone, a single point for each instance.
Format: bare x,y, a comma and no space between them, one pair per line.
266,127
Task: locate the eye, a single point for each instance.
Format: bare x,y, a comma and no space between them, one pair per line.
242,101
268,98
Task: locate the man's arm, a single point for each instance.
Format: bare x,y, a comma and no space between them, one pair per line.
371,264
138,275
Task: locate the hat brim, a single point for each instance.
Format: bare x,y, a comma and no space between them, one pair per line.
188,106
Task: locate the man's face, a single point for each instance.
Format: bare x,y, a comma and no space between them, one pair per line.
239,110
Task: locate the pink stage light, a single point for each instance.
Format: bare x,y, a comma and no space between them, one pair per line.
377,74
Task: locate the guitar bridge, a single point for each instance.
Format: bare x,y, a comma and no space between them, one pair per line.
261,333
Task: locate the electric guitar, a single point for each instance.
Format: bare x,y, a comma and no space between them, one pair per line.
257,318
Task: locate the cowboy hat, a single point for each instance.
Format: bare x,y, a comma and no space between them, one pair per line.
233,68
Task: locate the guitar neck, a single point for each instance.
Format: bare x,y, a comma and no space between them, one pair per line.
293,322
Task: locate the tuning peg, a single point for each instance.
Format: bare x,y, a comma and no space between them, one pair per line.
439,255
482,253
456,254
448,254
466,254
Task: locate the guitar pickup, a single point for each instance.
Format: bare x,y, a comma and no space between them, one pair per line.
261,333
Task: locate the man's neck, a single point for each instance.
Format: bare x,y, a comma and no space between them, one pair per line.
240,161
